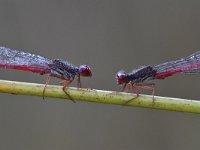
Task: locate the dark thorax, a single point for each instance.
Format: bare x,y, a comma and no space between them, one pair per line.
63,69
142,74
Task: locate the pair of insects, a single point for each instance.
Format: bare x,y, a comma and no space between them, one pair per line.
140,77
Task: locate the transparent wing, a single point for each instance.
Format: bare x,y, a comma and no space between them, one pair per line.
20,58
187,64
194,61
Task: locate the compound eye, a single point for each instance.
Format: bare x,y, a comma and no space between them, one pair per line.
85,71
121,77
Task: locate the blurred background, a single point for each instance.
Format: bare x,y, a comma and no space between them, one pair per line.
108,36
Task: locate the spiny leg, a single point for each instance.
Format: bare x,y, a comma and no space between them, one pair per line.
47,82
128,86
149,86
65,85
79,82
135,90
125,88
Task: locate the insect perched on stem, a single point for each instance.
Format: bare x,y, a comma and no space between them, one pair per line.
14,59
141,76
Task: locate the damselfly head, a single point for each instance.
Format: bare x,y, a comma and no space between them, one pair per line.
85,71
121,77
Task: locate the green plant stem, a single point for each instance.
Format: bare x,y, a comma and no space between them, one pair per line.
100,96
